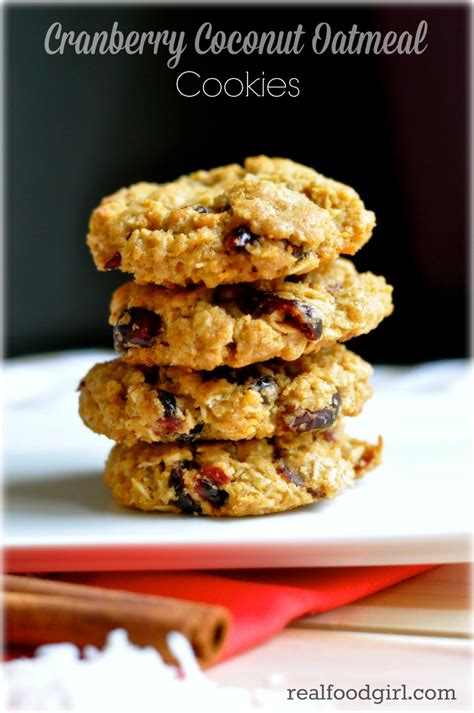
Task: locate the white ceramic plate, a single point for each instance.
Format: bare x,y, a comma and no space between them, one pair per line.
415,508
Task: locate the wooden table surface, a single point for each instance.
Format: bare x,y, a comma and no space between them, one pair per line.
417,632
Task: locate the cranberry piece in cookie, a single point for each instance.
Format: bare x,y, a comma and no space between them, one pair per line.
290,475
299,253
183,501
239,238
214,473
114,262
210,492
136,327
168,401
194,433
307,420
257,303
172,417
263,382
295,312
266,386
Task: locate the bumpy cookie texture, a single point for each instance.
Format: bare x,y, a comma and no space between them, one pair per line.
157,404
236,479
236,325
264,220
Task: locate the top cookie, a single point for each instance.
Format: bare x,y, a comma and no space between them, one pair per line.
265,220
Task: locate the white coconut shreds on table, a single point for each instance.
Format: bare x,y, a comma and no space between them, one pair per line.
124,677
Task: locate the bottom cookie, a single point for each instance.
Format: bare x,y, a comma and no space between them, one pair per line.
234,479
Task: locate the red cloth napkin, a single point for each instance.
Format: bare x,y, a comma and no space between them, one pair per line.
262,602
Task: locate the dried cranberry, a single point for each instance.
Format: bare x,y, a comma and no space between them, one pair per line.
183,501
319,493
298,252
292,477
193,433
167,425
136,327
299,314
289,475
210,492
215,474
316,420
114,262
261,384
366,460
295,312
239,238
172,418
168,401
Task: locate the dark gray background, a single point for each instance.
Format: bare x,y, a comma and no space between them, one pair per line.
394,127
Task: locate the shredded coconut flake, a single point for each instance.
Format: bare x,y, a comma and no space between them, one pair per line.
123,677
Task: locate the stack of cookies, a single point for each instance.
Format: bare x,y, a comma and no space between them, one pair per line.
231,386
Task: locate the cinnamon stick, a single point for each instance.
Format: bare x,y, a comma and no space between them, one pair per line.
39,611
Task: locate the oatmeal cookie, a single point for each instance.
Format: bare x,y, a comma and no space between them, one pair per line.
236,325
225,478
155,404
264,220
